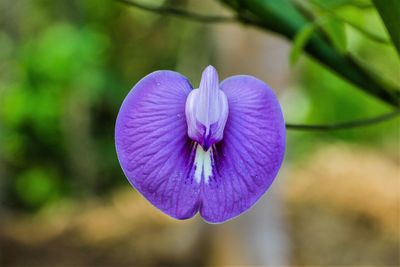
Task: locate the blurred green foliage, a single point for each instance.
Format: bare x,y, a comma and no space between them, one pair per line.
37,186
65,67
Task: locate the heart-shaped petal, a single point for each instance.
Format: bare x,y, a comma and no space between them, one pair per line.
179,175
152,143
248,158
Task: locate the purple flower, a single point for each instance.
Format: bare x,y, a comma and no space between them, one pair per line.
213,150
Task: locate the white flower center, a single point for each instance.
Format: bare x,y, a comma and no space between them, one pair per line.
202,161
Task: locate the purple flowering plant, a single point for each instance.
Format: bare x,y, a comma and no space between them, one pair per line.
216,149
213,150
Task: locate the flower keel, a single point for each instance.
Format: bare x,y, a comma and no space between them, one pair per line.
207,110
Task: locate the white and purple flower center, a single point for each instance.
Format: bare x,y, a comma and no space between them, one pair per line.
206,115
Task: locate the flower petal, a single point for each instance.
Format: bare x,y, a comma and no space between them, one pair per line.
248,158
152,143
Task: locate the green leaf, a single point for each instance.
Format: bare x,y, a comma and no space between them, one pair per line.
336,32
324,9
389,10
300,40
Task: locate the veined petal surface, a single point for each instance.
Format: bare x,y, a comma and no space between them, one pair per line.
152,143
246,161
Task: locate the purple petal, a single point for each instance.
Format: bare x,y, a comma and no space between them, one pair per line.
152,143
246,161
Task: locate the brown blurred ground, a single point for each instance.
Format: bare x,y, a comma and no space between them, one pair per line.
344,208
342,204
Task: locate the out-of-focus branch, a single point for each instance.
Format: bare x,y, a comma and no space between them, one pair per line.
168,10
282,17
343,125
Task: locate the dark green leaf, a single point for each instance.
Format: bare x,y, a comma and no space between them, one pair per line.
389,10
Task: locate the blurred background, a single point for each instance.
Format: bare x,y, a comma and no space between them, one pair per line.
65,68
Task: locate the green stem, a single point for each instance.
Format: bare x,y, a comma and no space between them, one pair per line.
344,125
